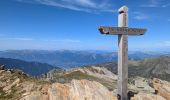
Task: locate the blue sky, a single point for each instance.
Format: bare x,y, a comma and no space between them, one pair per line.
73,24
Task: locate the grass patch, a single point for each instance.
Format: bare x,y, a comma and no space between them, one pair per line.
78,75
13,95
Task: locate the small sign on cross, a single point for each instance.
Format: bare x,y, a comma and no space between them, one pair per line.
122,31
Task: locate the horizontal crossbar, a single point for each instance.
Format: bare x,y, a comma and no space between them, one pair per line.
121,30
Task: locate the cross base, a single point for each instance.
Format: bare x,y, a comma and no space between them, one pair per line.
130,94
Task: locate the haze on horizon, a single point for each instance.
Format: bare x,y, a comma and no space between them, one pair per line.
73,24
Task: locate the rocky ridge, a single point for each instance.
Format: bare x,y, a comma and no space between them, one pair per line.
148,68
15,85
98,74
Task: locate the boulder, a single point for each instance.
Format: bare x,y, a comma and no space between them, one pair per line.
162,88
80,90
2,67
144,96
36,95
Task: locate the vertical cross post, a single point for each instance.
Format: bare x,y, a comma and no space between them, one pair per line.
122,31
123,55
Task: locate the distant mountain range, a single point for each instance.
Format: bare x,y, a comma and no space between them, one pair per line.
31,68
149,67
68,58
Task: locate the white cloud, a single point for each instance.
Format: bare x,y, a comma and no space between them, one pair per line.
46,40
166,43
69,40
64,40
152,3
156,3
163,44
85,3
166,5
140,16
77,5
22,39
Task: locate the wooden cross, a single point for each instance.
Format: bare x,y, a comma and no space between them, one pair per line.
122,31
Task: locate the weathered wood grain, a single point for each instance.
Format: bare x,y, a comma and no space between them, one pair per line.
121,30
123,57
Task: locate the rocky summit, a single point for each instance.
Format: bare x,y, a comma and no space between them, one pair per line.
16,85
158,67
